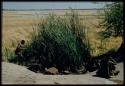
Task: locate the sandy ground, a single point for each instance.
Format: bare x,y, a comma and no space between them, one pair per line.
15,74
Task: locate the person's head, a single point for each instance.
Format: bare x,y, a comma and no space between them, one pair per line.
22,41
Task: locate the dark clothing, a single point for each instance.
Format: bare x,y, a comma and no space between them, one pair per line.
19,52
19,48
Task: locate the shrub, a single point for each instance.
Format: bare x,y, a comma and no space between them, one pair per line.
59,41
113,20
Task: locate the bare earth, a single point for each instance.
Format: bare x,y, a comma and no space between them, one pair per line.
15,74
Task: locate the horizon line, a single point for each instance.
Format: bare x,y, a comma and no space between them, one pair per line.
54,9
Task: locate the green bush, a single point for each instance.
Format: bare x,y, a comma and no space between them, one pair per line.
59,41
113,20
8,55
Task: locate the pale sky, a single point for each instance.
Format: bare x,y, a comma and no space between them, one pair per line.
53,5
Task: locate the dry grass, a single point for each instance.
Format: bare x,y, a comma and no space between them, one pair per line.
99,45
16,26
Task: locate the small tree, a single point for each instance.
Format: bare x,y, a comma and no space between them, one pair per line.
113,20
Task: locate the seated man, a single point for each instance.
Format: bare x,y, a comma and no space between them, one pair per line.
20,48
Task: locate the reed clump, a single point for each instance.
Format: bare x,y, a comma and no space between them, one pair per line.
59,41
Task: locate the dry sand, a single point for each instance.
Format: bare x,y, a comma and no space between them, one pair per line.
15,74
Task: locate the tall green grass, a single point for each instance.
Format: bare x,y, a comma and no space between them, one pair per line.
59,41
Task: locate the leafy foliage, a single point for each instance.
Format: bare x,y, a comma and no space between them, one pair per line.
113,20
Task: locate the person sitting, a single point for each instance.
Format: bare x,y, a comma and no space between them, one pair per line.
20,48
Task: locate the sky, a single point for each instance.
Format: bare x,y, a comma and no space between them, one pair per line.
52,5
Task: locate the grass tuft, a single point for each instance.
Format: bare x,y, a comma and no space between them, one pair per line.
60,41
